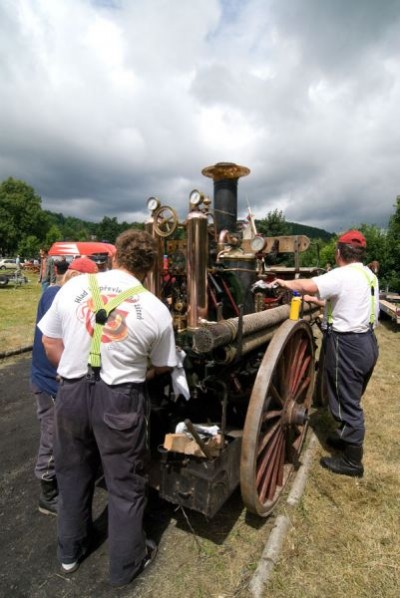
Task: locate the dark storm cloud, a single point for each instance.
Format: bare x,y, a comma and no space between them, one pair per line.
105,103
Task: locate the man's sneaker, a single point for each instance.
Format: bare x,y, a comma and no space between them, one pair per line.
48,499
69,568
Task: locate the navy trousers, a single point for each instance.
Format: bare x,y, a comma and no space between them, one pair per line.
90,418
349,362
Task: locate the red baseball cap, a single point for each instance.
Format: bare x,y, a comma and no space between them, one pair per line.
83,265
354,238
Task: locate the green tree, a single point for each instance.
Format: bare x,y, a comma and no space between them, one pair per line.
21,214
327,253
53,235
109,229
273,225
392,264
312,256
376,243
29,247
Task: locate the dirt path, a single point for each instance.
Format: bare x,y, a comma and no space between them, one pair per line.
196,558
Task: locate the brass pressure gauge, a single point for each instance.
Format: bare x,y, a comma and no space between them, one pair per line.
153,203
257,243
195,197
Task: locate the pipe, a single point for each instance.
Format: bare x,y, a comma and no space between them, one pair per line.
153,278
231,352
225,176
211,336
197,255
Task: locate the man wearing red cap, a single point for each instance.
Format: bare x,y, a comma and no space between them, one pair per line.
44,385
351,296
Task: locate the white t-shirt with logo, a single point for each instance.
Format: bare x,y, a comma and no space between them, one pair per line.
349,293
138,329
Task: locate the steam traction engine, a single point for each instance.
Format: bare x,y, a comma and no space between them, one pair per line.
235,411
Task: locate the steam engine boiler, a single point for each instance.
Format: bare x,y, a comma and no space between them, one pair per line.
235,409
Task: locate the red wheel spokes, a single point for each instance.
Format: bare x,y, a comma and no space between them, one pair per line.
272,440
265,440
296,366
267,483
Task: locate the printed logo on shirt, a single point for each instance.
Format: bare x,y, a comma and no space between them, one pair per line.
115,329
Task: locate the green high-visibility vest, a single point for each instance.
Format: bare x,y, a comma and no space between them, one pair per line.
102,311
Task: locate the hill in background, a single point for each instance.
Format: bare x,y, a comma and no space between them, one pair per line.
310,231
109,228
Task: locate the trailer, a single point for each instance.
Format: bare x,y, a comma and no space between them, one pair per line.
389,303
16,278
235,411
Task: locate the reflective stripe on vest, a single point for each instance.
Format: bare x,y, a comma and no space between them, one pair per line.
371,284
102,311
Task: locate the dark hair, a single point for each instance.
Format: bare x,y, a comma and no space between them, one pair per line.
350,253
136,251
61,267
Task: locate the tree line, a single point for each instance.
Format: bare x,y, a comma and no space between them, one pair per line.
25,227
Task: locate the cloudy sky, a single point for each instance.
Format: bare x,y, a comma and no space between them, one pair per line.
104,103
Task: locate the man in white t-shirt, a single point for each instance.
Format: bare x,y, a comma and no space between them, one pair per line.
105,408
351,294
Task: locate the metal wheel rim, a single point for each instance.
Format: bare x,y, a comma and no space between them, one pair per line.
270,445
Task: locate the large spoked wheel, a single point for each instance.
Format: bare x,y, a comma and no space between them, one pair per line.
277,416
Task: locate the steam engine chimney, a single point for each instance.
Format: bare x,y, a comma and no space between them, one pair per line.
225,176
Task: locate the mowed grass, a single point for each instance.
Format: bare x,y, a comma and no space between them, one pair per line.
345,536
18,313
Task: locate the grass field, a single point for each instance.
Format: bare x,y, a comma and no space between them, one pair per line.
17,313
344,539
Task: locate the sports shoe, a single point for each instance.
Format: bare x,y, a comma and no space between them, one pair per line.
69,568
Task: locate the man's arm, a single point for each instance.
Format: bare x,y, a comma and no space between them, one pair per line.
157,371
52,271
301,285
54,348
314,300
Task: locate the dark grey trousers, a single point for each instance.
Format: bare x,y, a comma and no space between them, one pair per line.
44,468
92,416
349,362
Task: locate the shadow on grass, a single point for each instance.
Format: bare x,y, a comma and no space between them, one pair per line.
215,530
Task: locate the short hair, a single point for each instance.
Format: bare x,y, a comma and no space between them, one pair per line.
351,253
136,250
61,266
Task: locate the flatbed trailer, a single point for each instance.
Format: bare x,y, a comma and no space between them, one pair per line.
389,303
